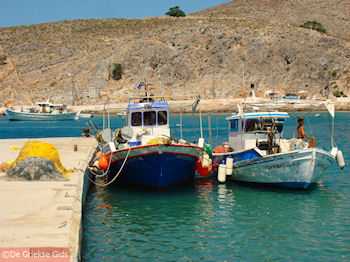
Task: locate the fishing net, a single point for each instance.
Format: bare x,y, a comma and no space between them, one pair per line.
158,140
30,155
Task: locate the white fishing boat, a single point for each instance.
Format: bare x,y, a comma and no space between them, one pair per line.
260,154
44,111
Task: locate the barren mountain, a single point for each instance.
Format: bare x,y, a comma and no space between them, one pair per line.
217,52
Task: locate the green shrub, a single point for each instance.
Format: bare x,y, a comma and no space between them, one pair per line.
175,12
334,73
338,93
3,59
117,71
314,26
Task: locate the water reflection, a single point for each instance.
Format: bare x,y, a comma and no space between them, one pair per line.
218,221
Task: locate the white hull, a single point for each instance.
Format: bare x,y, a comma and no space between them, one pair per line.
25,116
293,169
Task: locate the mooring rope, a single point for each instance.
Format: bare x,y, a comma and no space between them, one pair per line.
115,177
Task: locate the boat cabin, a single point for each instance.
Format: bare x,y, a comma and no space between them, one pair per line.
47,107
248,130
149,118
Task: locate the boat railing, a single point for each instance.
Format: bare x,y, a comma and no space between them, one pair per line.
142,99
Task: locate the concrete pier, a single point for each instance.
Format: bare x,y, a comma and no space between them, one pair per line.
44,218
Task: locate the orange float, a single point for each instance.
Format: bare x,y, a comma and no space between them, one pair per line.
103,162
98,154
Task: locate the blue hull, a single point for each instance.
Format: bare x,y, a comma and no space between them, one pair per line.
155,170
23,116
237,157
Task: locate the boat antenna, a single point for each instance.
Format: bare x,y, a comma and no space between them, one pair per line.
145,85
194,107
181,122
331,111
209,126
141,84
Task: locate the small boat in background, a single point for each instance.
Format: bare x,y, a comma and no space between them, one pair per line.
144,151
44,111
83,115
257,152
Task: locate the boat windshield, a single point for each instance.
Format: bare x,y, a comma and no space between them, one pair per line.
136,119
263,125
149,118
162,118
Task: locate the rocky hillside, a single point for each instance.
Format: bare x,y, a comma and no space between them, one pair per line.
217,52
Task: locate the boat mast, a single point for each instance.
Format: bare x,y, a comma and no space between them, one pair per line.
74,91
200,116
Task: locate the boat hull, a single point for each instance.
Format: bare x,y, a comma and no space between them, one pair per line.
24,116
155,166
297,169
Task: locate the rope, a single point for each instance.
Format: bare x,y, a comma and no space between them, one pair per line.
106,172
115,177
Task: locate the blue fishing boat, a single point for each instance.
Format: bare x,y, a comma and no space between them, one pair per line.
45,111
144,152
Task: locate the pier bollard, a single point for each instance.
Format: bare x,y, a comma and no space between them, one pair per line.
75,148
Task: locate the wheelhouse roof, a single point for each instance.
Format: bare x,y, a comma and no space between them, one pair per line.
49,104
258,115
147,103
148,106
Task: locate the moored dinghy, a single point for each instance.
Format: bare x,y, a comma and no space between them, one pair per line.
261,155
144,152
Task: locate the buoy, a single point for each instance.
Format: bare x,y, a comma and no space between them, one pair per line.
222,173
201,142
96,170
103,162
203,171
229,165
98,154
340,159
95,164
206,161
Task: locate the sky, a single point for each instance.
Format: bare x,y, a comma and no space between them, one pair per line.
26,12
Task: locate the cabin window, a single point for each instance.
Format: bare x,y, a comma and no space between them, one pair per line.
267,123
162,118
279,125
149,118
252,125
136,119
234,125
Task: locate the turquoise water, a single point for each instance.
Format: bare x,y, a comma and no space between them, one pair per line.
210,221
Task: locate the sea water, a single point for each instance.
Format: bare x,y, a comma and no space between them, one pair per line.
208,221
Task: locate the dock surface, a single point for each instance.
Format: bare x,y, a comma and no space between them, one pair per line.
46,215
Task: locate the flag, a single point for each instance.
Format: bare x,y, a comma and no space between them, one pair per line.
330,107
139,85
